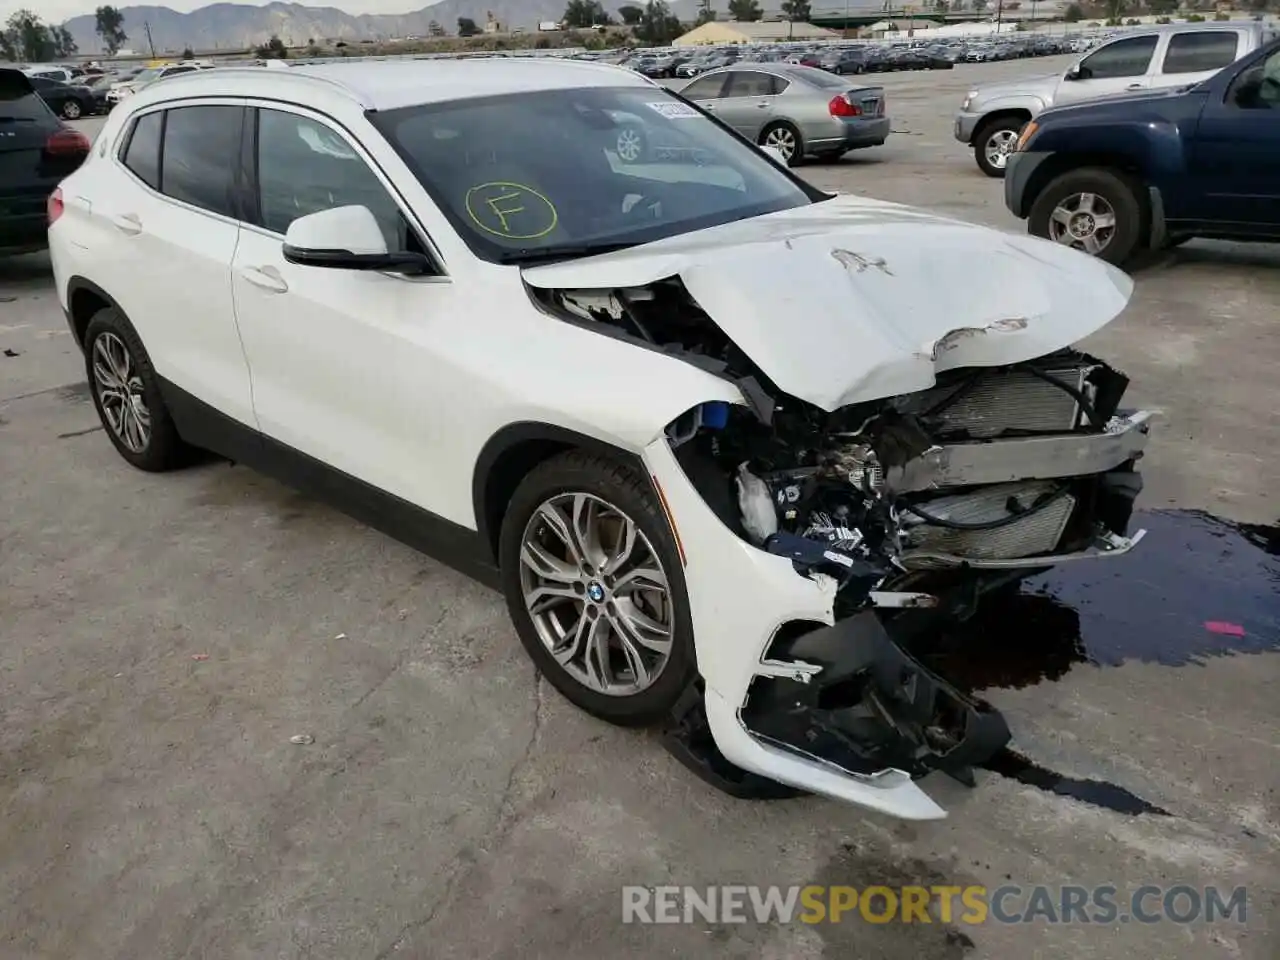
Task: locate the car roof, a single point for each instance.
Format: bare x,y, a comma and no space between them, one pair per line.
390,84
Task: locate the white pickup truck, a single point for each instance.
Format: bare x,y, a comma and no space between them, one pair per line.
1152,58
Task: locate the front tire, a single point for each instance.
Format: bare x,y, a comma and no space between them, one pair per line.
1092,209
993,142
71,110
786,139
595,587
126,394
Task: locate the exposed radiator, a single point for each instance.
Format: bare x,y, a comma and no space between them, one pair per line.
1039,532
1002,400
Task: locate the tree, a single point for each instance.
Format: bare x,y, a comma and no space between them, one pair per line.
467,27
64,45
584,13
979,6
435,29
273,49
658,26
25,37
108,23
705,13
630,14
1073,13
941,6
745,11
1162,6
188,53
797,11
1114,9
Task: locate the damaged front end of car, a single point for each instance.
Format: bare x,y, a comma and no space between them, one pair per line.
904,511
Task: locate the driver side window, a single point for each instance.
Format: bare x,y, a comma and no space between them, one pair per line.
1258,88
305,166
1124,58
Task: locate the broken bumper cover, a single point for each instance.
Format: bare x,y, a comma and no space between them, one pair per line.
1026,458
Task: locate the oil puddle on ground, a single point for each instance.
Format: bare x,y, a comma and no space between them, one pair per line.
1196,587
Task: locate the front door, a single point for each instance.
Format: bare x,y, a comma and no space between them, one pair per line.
1120,67
348,367
1235,154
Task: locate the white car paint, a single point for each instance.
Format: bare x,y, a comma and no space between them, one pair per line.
400,381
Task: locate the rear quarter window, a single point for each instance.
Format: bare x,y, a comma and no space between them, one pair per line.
1197,51
142,151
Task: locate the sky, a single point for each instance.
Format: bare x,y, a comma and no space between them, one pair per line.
55,11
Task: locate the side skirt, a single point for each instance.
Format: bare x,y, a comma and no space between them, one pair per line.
454,545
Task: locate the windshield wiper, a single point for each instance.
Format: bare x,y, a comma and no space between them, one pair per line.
568,251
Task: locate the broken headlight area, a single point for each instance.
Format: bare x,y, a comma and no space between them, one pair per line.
915,506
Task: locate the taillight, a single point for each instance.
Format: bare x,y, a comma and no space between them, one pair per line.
841,107
66,142
54,206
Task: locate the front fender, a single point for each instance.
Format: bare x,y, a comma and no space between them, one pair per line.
1032,103
1153,145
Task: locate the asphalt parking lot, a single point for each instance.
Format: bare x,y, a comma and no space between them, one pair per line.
163,638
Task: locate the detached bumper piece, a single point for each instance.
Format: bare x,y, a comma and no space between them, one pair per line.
870,707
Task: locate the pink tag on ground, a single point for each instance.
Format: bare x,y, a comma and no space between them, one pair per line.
1224,628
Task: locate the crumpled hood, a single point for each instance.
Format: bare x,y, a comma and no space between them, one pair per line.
852,299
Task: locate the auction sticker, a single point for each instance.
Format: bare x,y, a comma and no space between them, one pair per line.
673,109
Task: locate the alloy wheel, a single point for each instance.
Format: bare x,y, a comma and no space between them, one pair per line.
121,393
597,594
1085,221
998,147
71,110
783,140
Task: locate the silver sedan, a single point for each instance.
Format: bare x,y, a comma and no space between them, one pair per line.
800,111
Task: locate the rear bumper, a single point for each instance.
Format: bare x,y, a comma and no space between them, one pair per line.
23,232
850,134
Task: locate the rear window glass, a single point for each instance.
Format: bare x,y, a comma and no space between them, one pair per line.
819,78
18,99
1196,52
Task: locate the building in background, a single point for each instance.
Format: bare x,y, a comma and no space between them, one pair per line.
731,31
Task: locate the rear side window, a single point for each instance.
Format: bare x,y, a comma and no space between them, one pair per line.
748,83
201,156
705,88
18,99
142,154
1201,50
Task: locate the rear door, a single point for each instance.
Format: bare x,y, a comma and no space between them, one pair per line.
1120,67
748,100
29,168
1196,55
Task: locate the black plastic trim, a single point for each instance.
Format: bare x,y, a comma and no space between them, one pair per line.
452,544
76,284
512,436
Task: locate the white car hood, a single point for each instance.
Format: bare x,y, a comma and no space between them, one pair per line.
852,299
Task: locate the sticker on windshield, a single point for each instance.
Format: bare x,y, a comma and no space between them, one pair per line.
673,109
512,211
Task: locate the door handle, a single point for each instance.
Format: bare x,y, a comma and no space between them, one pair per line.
127,223
268,278
762,104
1134,86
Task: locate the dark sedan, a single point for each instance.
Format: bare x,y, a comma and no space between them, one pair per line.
36,152
64,99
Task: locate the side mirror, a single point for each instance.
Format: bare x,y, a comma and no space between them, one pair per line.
346,238
774,154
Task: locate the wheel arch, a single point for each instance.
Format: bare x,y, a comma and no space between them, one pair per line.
508,456
1062,163
1021,113
84,299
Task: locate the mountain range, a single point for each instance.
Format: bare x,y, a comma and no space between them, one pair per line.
238,25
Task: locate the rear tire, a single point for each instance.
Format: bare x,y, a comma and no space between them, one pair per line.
71,110
992,141
786,138
1110,190
548,610
126,394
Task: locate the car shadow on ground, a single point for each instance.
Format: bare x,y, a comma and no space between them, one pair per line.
1216,253
25,269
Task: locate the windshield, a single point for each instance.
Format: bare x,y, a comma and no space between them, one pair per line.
571,172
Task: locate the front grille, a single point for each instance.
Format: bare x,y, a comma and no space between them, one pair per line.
1002,401
1037,533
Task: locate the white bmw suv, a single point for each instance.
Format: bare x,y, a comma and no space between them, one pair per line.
724,441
